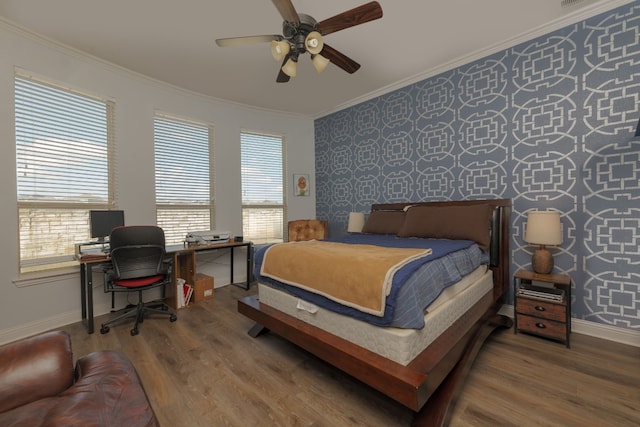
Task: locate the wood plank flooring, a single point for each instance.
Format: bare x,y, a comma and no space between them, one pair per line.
204,370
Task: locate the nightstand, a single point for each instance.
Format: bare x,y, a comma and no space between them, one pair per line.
542,309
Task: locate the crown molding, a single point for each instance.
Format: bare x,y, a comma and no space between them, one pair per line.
97,61
579,15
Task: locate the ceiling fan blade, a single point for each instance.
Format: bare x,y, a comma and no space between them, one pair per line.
287,11
282,77
350,18
242,41
340,59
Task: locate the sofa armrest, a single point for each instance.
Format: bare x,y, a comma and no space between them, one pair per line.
107,391
34,368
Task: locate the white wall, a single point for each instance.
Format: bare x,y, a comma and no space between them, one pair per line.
28,307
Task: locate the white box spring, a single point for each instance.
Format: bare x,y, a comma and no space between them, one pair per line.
399,345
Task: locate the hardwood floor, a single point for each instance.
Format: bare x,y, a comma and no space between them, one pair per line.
204,370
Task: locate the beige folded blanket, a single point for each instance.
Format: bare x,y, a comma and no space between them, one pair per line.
357,276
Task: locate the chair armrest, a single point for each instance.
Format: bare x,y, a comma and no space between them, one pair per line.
307,229
34,368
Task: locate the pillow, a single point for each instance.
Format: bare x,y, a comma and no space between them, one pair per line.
471,222
384,222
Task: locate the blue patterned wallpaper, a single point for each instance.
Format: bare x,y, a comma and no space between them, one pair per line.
548,123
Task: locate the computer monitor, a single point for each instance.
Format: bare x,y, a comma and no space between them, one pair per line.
103,221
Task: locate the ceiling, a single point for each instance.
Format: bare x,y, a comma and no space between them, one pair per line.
174,41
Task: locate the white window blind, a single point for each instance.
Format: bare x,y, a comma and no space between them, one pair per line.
64,167
184,178
263,195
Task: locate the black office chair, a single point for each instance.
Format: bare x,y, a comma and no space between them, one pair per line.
138,264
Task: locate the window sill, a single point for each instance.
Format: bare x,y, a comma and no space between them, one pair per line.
46,277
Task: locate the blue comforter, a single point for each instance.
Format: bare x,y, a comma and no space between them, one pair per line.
414,286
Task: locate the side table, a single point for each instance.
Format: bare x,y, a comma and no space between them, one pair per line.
535,310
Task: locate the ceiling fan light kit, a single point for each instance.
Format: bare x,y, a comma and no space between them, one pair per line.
313,43
279,49
290,68
319,62
303,34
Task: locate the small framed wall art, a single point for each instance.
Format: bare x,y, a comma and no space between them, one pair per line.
301,184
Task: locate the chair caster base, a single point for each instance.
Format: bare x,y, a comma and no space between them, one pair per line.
104,329
134,332
173,318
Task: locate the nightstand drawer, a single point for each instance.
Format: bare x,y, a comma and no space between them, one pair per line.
548,328
543,309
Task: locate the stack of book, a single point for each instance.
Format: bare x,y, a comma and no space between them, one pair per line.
184,292
541,292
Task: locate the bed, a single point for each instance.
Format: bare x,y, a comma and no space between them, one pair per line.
420,363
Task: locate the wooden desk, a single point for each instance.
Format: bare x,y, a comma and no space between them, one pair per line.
179,252
86,287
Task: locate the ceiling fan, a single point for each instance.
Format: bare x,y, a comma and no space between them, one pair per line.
302,33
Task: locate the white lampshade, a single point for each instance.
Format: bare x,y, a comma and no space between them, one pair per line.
319,62
543,228
290,68
279,49
356,222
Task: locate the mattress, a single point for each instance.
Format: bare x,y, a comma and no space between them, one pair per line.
409,297
399,345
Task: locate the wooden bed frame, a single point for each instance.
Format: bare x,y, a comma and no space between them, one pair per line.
430,383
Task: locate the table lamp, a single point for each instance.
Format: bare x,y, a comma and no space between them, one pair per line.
543,228
356,222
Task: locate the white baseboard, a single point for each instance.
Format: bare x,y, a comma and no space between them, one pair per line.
34,328
53,322
593,329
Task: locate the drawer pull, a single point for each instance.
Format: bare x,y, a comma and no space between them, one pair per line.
540,308
540,325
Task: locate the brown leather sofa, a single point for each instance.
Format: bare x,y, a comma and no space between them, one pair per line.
40,387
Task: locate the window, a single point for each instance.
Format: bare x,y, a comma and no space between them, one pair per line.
263,201
184,181
64,167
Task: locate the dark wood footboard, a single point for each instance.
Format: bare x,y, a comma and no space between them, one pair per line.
391,378
428,385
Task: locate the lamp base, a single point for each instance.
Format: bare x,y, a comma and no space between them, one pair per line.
542,261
